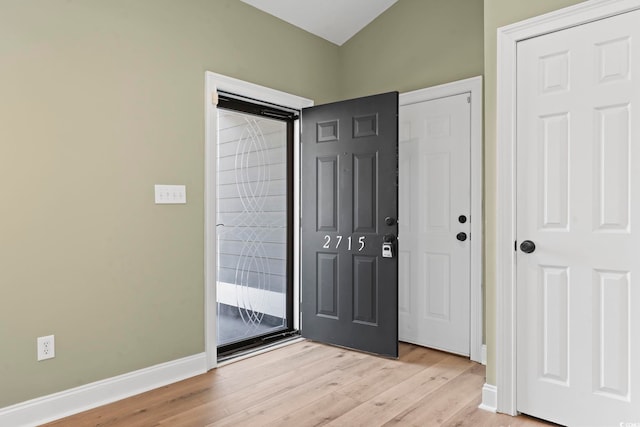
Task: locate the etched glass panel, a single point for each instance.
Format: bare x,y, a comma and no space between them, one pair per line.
251,185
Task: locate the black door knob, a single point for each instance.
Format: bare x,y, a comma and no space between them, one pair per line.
390,221
462,219
461,236
527,246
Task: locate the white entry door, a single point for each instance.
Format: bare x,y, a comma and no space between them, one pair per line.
578,202
434,223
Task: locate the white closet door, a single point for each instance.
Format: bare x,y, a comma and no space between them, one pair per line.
435,223
578,189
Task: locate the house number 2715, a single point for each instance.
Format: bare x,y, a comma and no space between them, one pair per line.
360,244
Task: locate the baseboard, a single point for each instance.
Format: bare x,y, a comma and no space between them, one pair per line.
59,405
489,398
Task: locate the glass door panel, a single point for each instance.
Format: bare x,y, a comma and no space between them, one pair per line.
252,234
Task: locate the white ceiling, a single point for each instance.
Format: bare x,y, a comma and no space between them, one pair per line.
333,20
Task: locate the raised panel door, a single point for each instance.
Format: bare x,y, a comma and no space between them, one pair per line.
578,133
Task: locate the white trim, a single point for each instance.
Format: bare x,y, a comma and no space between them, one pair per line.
489,398
210,306
473,86
213,83
69,402
508,38
296,225
484,355
257,92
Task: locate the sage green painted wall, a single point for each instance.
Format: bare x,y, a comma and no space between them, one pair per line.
99,101
415,44
498,13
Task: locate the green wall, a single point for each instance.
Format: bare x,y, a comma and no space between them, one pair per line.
415,44
498,13
99,101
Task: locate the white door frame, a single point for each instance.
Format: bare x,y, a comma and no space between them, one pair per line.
508,38
473,86
213,83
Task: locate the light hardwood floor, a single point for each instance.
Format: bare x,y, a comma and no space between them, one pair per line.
311,384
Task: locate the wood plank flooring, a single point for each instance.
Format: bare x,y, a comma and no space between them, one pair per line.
311,384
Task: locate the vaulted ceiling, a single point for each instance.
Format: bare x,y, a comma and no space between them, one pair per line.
334,20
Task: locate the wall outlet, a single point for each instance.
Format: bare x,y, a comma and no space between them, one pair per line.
46,347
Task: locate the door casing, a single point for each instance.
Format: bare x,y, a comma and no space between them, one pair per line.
213,83
508,38
473,87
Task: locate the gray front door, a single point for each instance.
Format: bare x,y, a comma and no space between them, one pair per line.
349,198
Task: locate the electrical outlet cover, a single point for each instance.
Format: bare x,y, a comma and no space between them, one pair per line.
46,347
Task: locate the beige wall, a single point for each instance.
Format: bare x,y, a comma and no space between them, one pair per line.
498,13
99,101
415,44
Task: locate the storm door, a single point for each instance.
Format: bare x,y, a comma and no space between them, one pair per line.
254,188
349,260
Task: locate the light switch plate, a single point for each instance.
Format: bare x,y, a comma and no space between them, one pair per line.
170,194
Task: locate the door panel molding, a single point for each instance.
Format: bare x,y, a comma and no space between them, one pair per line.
472,86
213,83
350,299
508,38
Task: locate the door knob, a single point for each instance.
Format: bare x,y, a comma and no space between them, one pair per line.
390,221
462,219
461,236
527,246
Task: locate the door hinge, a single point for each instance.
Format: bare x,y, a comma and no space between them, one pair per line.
468,99
214,98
